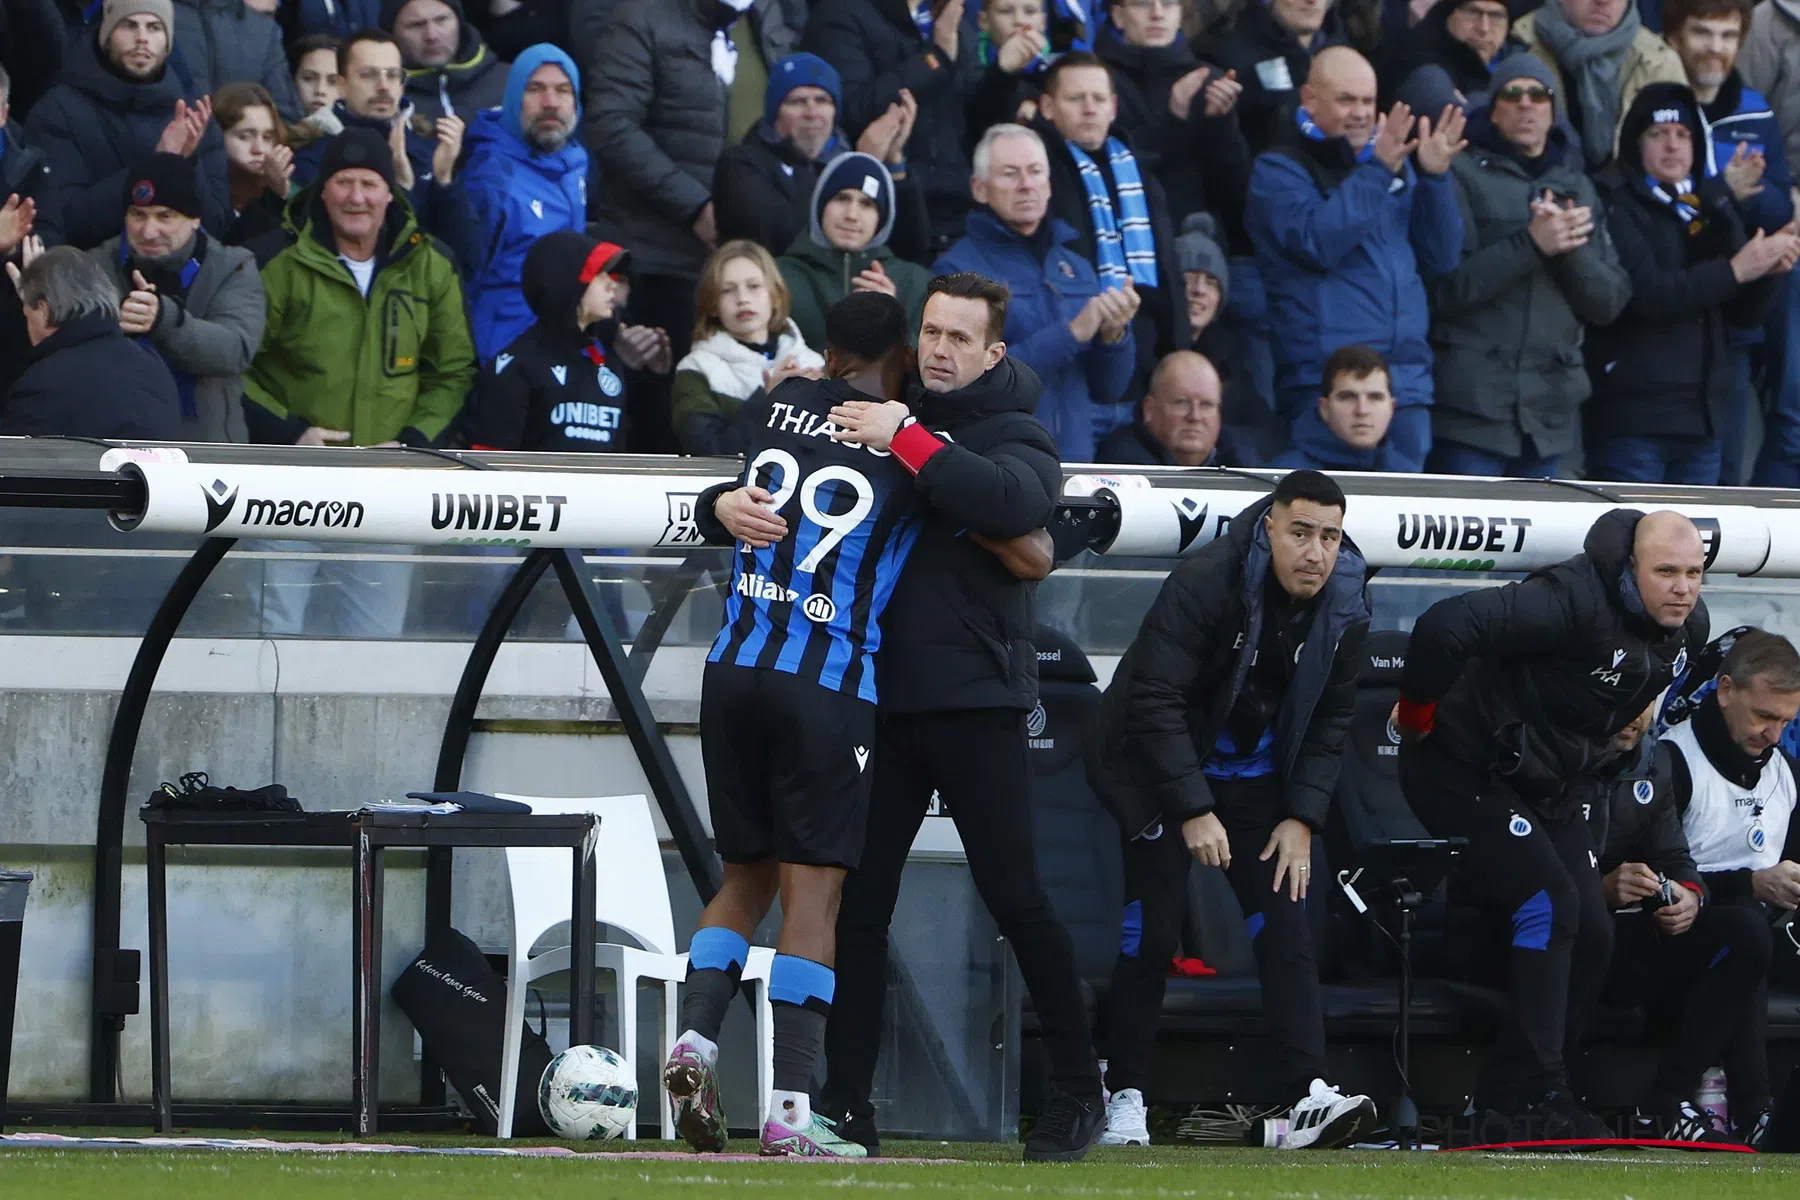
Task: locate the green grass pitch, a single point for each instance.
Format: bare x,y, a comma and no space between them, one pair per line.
982,1170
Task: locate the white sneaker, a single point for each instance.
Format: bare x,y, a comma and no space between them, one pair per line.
1327,1118
1127,1121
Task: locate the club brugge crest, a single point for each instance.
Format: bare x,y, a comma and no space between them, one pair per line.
610,384
1034,724
1680,661
1519,826
1643,791
1393,731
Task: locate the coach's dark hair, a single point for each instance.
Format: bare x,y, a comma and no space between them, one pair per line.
1358,362
380,37
1073,60
866,325
1767,654
967,285
1315,486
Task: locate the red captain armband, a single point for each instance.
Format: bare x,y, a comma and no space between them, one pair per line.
1417,718
914,444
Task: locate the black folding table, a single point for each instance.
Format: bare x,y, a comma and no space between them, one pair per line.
367,834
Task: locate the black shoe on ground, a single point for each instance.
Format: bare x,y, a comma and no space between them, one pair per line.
1758,1131
1680,1121
1065,1127
1559,1117
1555,1116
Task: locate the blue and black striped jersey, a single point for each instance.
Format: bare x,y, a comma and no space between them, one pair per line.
810,605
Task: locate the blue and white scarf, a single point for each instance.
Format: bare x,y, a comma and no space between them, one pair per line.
1313,133
924,20
1123,247
1685,201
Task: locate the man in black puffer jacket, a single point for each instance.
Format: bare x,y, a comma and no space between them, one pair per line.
1693,966
958,676
882,46
1512,696
1663,371
1219,739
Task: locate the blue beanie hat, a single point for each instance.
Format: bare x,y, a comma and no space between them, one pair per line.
855,172
800,70
529,60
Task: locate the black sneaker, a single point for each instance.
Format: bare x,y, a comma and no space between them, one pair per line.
1680,1121
1066,1126
1559,1117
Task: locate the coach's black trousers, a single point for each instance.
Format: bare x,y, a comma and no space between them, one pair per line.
1156,871
1542,878
976,761
1706,992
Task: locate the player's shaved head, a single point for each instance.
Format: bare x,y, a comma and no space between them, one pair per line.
1668,560
1339,95
865,343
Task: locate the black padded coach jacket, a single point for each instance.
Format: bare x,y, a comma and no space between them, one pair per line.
1533,679
1175,687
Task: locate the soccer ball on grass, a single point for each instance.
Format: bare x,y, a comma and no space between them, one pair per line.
588,1093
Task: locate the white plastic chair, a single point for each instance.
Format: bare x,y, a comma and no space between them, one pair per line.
631,894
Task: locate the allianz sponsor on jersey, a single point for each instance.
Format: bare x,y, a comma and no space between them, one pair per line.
818,608
761,587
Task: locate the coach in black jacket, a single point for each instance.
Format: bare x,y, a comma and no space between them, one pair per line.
957,675
1220,737
1511,696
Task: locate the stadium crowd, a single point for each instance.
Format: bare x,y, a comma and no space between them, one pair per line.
1534,241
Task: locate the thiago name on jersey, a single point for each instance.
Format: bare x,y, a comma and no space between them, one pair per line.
785,418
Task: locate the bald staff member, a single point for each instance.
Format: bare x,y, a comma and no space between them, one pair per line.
1511,698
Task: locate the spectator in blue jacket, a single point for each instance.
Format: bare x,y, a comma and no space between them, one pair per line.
1076,337
1744,145
526,176
1345,214
1347,430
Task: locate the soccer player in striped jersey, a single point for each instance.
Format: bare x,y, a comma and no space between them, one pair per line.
787,721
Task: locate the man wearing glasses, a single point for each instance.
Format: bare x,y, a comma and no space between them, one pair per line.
425,152
1467,38
1537,264
1178,421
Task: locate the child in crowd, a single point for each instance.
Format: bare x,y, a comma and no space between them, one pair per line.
313,60
260,163
558,386
744,343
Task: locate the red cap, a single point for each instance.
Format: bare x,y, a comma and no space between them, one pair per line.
614,260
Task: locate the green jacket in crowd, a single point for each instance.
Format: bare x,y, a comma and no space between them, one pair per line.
819,276
394,366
